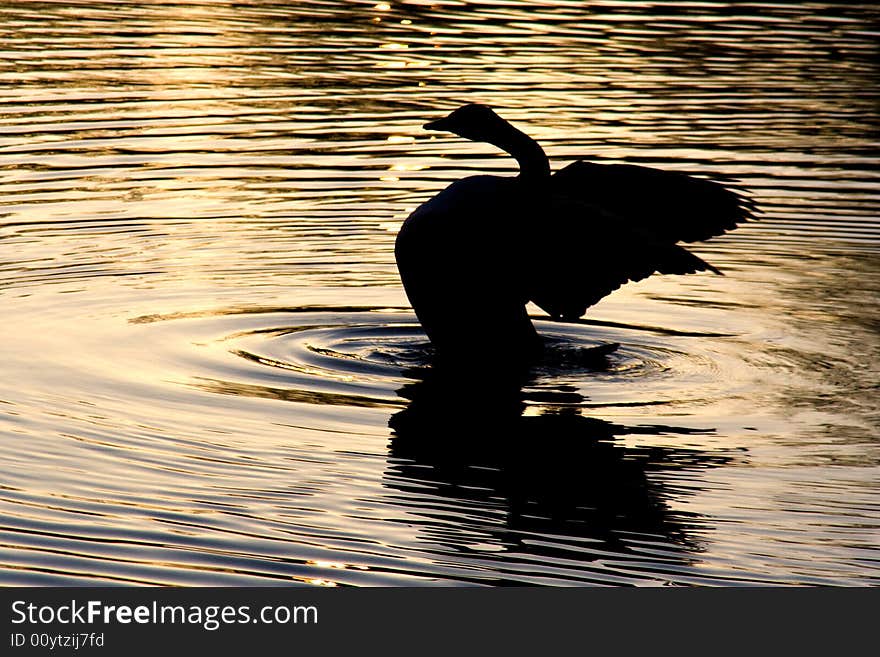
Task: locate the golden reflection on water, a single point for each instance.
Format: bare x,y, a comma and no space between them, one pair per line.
206,339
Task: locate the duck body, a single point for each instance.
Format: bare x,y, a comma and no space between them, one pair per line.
460,259
474,255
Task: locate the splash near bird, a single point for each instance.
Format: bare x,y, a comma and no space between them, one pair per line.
475,254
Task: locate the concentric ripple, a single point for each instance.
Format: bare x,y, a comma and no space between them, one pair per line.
360,357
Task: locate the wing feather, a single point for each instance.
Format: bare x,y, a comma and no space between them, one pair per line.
580,253
666,205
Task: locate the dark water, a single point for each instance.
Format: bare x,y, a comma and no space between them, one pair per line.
211,374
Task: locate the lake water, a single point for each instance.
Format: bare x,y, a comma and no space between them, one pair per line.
211,374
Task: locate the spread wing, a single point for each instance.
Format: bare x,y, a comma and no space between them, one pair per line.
666,205
606,225
579,254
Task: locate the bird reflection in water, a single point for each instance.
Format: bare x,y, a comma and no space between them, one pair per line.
565,488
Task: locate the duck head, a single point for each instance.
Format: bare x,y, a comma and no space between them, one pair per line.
479,123
474,122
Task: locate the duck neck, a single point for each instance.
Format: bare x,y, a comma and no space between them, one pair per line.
533,162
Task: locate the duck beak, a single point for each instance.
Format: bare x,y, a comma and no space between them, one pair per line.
439,124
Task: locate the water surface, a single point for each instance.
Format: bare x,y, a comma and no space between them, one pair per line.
211,374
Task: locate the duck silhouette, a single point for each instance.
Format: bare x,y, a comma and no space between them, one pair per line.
474,255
